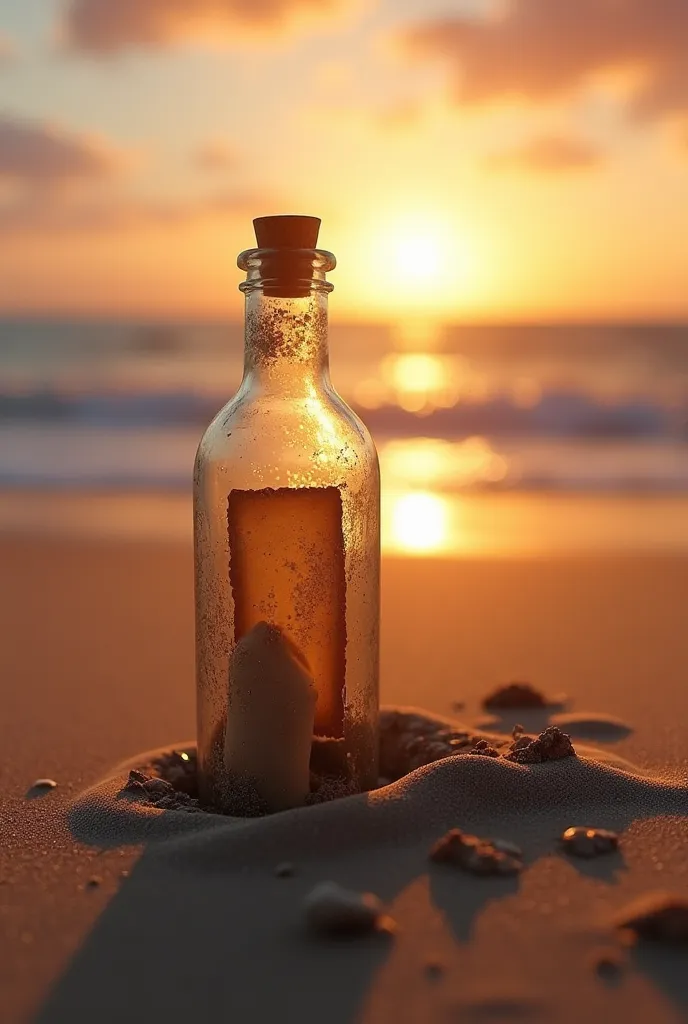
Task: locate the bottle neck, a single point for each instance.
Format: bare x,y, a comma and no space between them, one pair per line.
286,344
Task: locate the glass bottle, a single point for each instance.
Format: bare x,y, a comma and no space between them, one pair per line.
286,517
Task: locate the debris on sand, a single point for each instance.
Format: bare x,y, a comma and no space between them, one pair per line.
485,748
515,695
157,789
660,916
550,745
581,841
410,740
157,792
331,909
480,856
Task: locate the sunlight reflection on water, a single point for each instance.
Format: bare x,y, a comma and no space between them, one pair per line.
427,461
418,523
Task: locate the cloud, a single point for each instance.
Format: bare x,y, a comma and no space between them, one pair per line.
400,115
39,154
541,49
8,49
548,154
109,26
50,214
216,155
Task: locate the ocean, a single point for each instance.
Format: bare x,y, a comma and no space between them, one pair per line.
568,408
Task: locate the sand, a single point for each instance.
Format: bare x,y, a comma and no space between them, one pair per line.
97,665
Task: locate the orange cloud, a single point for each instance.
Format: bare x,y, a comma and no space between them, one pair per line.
548,154
540,49
8,49
109,26
39,154
400,115
48,214
216,155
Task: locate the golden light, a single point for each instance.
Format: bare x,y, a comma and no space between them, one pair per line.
418,371
433,462
421,381
419,523
417,462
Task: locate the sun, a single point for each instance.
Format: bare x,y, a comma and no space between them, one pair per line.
408,264
421,263
418,257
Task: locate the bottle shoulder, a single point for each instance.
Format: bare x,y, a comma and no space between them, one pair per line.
292,440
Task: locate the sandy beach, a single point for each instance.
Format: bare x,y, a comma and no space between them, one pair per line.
97,666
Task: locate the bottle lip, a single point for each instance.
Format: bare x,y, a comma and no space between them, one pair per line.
319,259
286,272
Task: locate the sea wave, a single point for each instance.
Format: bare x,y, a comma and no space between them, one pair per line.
158,458
557,413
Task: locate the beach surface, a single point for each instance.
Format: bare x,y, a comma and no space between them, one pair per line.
97,666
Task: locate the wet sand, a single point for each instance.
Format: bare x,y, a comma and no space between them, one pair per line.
96,665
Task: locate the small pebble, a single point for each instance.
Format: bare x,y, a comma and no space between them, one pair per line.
44,784
137,777
660,916
484,748
332,910
581,841
479,856
506,846
158,788
134,784
284,870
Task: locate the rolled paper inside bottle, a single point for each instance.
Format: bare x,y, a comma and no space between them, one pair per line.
270,717
287,564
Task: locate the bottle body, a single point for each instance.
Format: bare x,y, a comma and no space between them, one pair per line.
286,531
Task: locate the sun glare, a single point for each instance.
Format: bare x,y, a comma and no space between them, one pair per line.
417,251
413,264
417,257
419,523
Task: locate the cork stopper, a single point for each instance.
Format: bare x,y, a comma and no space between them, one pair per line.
287,231
287,265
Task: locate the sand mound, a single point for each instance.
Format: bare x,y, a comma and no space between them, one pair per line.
485,794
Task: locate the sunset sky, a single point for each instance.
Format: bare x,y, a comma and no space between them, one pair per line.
475,159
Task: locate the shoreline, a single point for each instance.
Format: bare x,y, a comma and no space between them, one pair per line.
417,523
